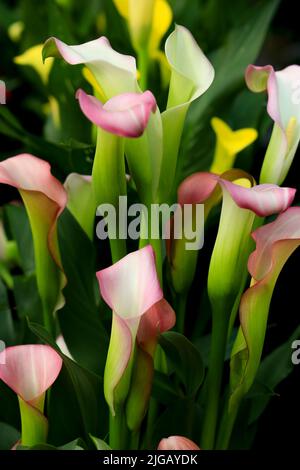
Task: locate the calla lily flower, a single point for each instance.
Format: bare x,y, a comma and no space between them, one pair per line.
148,22
227,270
206,188
192,74
116,73
283,108
125,115
275,243
158,319
32,57
229,144
130,287
81,201
177,443
45,199
140,19
29,371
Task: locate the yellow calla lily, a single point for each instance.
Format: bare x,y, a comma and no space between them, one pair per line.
229,144
33,58
148,22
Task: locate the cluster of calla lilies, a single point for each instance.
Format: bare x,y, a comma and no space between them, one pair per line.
130,126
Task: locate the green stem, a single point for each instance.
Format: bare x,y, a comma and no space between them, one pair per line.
143,66
156,243
134,440
109,183
159,365
48,319
226,427
34,424
214,379
118,431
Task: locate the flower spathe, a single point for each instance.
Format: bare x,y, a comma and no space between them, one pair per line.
30,370
130,287
116,73
229,144
191,75
44,198
207,188
177,443
147,26
32,57
81,201
283,107
275,243
125,115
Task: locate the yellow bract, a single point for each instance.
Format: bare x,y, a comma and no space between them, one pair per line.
33,58
229,144
155,22
93,82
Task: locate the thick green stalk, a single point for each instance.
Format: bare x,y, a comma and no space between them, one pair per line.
143,66
226,427
109,183
156,243
118,431
34,424
214,378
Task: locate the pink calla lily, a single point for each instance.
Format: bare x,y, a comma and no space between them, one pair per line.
275,243
207,188
228,265
158,319
177,443
45,198
130,287
263,199
283,108
29,371
124,115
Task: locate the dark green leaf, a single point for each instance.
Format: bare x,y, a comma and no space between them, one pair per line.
185,360
8,436
80,319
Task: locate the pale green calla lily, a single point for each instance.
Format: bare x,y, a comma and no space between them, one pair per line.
228,270
283,107
44,198
116,73
192,74
275,243
81,202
